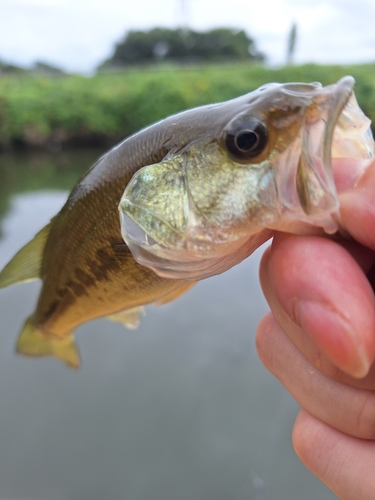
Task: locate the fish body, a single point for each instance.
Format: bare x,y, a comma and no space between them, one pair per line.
181,200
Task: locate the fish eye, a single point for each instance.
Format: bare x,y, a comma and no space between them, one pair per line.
246,139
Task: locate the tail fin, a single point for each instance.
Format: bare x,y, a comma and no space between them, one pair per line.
34,342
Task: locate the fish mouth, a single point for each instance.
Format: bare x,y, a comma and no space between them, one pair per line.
334,126
314,176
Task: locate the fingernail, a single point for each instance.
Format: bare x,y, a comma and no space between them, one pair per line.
334,336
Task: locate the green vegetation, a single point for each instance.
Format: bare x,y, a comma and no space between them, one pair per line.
183,45
43,111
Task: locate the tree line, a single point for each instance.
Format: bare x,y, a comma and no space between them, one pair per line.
183,45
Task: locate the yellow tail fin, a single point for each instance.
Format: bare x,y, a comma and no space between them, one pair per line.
34,342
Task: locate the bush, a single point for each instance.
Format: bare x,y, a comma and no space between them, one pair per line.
38,111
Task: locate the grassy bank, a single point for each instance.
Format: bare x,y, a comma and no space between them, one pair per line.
105,108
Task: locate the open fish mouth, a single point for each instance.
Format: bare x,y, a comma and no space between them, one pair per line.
334,127
330,105
303,193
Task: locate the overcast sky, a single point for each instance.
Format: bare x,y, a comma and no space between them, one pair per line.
77,35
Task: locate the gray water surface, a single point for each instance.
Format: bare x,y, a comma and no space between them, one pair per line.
180,409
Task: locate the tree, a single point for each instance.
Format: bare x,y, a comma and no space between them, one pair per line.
162,44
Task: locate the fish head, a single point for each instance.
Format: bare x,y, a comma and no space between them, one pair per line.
238,170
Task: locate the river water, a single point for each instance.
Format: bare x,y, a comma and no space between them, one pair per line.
180,409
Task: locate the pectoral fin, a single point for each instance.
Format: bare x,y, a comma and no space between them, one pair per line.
34,342
26,264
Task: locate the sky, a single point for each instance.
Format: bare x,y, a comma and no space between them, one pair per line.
77,35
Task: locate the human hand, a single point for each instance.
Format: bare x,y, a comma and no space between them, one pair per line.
319,340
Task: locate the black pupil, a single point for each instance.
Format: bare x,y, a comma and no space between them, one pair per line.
246,140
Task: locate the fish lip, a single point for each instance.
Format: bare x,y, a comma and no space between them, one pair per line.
341,91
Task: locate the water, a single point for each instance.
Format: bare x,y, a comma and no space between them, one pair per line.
179,409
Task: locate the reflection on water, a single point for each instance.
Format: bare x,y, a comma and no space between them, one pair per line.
24,172
179,409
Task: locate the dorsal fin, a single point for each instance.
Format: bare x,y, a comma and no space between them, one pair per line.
26,264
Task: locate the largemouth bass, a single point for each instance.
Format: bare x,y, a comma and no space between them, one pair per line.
184,199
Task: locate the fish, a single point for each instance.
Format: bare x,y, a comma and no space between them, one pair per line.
185,199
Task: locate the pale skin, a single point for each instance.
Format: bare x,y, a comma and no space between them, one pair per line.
319,338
